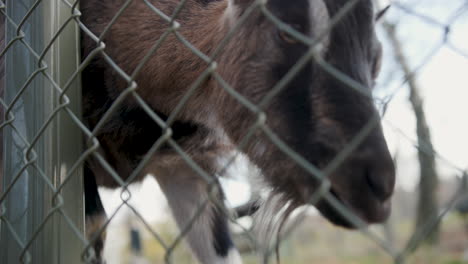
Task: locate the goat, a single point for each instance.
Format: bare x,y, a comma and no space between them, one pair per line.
316,115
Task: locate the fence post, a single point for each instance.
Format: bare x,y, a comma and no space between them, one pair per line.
36,225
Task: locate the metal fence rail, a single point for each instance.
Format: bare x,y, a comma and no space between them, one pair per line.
41,200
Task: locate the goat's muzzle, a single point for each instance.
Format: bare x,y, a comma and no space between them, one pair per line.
364,184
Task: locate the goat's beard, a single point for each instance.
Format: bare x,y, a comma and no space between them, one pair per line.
270,221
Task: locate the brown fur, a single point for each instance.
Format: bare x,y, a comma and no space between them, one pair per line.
173,65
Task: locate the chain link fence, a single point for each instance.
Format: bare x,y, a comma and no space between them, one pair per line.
41,198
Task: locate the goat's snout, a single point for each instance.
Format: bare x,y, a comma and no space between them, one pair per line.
380,177
364,183
371,182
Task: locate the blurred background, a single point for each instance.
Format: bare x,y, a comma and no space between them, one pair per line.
422,94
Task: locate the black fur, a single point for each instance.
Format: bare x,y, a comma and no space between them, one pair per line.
222,240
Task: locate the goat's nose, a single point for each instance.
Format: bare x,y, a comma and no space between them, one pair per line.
380,178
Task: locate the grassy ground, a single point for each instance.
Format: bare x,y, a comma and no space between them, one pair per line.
316,241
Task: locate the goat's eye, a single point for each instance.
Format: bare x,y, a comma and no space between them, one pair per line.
286,37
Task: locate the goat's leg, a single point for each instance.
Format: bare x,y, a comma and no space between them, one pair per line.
95,214
208,236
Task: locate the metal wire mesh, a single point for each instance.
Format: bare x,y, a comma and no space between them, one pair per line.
64,104
41,171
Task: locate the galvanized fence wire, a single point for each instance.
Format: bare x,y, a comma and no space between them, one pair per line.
30,156
92,146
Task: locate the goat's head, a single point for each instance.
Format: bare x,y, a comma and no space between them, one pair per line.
316,114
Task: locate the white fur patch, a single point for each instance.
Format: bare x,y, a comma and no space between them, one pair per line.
230,14
320,21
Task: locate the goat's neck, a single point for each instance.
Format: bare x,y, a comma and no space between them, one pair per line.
175,67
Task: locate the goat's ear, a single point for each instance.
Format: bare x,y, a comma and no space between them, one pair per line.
381,13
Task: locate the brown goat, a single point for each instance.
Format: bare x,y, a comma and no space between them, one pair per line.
316,115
